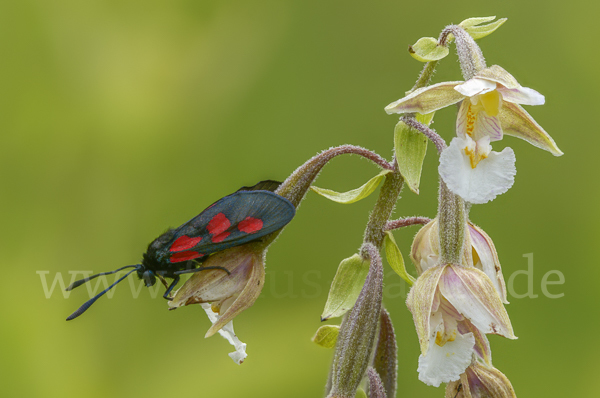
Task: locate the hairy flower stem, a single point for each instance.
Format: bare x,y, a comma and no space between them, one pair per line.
469,54
406,222
388,196
294,188
434,137
452,222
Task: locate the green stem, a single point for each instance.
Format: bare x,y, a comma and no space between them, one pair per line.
388,196
452,222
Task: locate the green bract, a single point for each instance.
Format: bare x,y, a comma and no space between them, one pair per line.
427,49
472,27
326,336
354,195
394,258
345,288
410,148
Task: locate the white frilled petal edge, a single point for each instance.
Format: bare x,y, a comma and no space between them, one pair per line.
492,176
445,364
227,332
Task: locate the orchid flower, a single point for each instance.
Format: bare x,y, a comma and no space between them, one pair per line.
223,296
489,109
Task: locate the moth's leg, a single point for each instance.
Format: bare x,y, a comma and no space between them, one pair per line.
171,286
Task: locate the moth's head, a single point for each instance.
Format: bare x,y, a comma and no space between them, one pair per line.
147,276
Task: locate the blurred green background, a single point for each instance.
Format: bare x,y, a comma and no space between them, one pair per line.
119,118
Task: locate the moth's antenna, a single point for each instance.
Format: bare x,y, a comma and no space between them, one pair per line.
89,278
91,301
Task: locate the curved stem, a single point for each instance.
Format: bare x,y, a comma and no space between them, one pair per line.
294,188
434,137
406,222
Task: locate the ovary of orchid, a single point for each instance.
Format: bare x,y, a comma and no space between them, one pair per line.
490,107
453,307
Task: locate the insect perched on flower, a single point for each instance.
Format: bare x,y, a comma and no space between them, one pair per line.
246,215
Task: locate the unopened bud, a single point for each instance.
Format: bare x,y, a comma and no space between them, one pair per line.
357,333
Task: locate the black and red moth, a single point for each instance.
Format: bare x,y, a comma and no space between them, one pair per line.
246,215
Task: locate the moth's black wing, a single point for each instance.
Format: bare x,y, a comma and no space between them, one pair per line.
266,185
239,218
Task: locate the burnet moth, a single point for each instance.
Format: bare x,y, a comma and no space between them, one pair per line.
246,215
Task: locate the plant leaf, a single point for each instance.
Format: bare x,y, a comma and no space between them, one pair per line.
354,195
472,27
326,336
411,146
346,286
426,49
394,258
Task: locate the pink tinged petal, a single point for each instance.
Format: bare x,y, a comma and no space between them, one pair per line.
427,99
488,259
227,333
461,119
246,298
484,381
522,95
425,247
475,86
216,286
486,126
446,363
420,303
477,124
498,75
472,293
482,345
491,177
517,122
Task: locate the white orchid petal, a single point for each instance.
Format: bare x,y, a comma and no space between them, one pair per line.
522,95
420,301
445,364
471,292
488,259
487,126
227,332
475,86
492,176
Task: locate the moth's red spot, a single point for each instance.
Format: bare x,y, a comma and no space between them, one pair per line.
184,242
185,256
220,237
218,224
250,225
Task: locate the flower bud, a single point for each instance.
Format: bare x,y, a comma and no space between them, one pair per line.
357,333
480,381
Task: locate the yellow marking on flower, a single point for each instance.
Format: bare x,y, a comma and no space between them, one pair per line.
471,117
442,338
475,156
491,102
215,308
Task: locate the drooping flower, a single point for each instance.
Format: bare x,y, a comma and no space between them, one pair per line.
490,107
223,296
453,308
480,381
479,252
